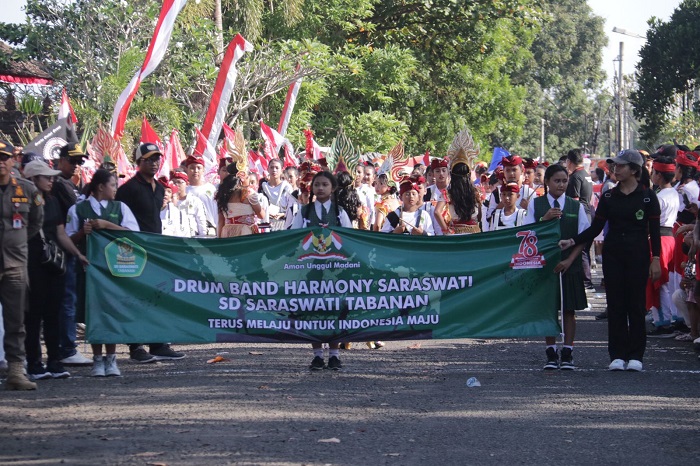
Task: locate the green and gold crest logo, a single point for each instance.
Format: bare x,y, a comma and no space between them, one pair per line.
125,258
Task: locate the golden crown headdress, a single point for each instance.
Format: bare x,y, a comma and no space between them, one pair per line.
237,151
463,149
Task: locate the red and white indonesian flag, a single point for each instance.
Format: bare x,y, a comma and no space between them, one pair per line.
208,154
289,103
257,163
65,109
148,134
154,55
274,141
174,154
216,113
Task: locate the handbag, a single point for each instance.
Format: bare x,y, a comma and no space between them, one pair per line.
53,258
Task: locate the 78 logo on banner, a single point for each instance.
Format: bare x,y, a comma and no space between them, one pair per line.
528,256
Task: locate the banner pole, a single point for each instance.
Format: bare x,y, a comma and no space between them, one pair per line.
561,306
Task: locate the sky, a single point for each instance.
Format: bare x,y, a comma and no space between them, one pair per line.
631,15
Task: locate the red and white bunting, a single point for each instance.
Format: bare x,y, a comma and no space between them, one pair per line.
274,141
66,109
216,113
289,103
174,154
154,55
208,154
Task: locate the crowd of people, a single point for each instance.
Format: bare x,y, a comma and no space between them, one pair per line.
634,213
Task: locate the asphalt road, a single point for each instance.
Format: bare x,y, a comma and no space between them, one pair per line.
406,404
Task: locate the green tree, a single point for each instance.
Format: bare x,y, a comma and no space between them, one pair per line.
564,81
667,74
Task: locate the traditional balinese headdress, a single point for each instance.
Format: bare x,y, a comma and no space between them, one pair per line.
237,151
395,166
463,149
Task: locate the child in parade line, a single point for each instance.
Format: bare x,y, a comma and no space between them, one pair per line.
349,200
511,215
47,289
97,212
632,213
659,293
184,214
512,173
538,179
323,210
459,210
387,200
409,219
238,205
572,221
276,189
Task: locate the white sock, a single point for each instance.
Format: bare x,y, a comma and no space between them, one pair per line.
318,352
334,352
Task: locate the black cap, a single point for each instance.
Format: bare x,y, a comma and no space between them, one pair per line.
6,148
71,150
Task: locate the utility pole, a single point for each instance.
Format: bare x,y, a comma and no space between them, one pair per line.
542,140
620,137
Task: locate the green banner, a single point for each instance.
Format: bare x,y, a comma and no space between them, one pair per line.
322,285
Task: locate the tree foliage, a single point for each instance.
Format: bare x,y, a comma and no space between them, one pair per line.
384,70
668,70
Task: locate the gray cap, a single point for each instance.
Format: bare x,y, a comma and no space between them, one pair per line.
37,167
628,156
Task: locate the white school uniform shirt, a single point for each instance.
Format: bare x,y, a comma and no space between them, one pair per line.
430,208
435,193
187,219
300,222
525,192
411,219
205,193
670,204
128,220
368,196
583,222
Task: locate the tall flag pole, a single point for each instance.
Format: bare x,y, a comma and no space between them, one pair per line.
216,113
154,55
289,103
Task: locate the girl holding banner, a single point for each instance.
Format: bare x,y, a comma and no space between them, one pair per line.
323,211
572,221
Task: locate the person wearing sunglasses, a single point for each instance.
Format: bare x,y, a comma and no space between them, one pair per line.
21,214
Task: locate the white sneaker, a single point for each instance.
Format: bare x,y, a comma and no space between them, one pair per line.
617,365
76,360
110,365
634,365
98,366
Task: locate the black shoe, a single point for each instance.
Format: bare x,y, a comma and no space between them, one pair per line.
164,352
141,356
662,332
334,363
552,360
603,315
679,326
56,369
567,360
589,286
37,371
317,364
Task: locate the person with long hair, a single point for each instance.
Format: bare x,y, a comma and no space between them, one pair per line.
97,212
323,210
632,213
349,199
572,221
459,211
238,205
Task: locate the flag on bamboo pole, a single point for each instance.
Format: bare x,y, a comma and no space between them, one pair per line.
289,103
216,113
274,141
154,55
66,109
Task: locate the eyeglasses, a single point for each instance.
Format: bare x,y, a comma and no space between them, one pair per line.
76,160
4,157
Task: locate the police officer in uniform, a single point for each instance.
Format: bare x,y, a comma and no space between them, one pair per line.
22,214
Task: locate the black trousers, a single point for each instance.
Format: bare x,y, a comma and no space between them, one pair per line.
45,301
626,270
